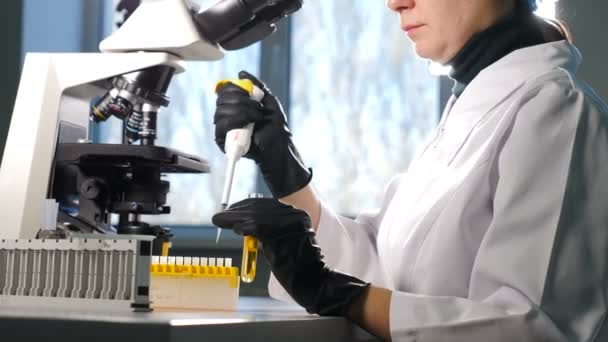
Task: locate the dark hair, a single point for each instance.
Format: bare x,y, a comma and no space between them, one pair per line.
549,24
561,27
532,5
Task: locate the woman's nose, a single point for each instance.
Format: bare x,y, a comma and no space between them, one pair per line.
400,5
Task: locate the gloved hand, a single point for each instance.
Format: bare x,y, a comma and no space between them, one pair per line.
271,145
291,249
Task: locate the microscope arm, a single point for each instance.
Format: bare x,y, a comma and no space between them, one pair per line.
173,27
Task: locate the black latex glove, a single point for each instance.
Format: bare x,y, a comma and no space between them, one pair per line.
291,249
271,145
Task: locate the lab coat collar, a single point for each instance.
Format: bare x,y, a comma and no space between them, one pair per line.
495,83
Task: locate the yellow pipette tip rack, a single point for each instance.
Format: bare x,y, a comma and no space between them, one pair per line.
193,283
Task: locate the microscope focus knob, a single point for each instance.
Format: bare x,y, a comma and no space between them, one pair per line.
91,188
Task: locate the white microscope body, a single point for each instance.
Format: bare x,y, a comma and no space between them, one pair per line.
76,256
56,90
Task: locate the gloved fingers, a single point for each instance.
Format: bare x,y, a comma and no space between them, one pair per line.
244,102
231,94
129,5
279,236
267,209
263,217
235,94
230,88
249,228
245,75
257,204
232,116
265,233
243,223
229,220
245,227
274,217
223,126
269,101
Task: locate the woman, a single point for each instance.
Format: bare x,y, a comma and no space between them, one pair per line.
497,232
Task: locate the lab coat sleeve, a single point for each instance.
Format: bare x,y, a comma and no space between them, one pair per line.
349,245
540,272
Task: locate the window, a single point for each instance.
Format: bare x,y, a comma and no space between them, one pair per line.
361,101
547,8
187,125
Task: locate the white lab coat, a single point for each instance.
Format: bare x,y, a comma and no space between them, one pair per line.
498,231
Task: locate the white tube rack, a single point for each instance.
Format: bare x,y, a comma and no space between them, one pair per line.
85,272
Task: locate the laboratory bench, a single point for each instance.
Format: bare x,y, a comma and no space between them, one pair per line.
257,319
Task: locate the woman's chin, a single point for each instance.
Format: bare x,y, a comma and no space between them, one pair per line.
431,53
423,51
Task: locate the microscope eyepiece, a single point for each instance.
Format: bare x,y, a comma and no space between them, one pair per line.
235,24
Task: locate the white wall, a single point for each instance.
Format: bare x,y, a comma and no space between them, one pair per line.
63,25
587,20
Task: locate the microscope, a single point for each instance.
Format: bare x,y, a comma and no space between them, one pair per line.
50,163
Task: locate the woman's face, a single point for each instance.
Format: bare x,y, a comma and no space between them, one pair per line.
440,28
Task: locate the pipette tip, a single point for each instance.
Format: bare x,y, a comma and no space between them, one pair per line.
219,230
217,236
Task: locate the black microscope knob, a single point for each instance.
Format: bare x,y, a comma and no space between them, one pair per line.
90,188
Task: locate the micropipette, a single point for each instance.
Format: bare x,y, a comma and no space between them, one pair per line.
237,141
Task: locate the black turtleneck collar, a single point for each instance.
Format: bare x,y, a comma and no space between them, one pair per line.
517,30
